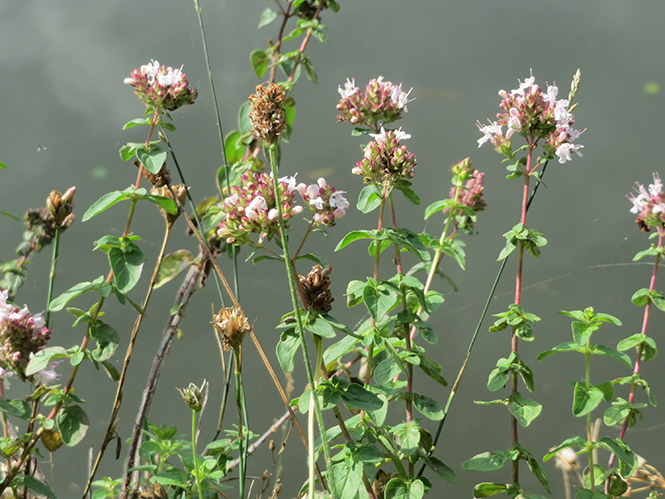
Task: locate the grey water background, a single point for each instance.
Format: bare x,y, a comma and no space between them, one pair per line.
63,105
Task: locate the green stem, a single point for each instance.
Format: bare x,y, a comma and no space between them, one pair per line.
242,424
54,261
587,369
273,155
197,476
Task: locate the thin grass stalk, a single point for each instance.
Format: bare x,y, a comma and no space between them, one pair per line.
273,155
240,402
197,7
51,280
117,402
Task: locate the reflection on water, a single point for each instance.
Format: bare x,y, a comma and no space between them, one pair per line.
64,106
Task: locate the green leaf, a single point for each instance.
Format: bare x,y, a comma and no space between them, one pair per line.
640,297
286,349
111,371
385,371
359,398
7,214
267,16
441,469
321,328
569,442
623,452
487,489
397,488
611,353
152,159
352,236
538,471
379,300
407,436
368,199
73,423
172,265
32,483
585,401
127,264
436,206
41,359
107,341
260,62
486,461
525,411
428,407
136,122
244,123
567,346
17,408
103,203
378,416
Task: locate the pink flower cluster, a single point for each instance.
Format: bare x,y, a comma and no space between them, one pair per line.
162,88
323,201
21,336
382,102
251,207
649,205
534,114
385,160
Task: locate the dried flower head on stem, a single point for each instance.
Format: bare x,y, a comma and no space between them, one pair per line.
267,113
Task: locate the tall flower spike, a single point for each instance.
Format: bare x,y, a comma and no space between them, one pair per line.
535,114
267,114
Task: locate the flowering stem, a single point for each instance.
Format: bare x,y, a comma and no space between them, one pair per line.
589,431
640,348
51,281
273,155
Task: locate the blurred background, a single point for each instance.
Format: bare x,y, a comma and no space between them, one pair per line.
63,105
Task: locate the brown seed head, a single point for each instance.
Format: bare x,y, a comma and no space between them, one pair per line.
267,114
316,288
232,325
60,206
162,178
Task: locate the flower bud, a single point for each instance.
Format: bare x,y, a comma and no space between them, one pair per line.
193,396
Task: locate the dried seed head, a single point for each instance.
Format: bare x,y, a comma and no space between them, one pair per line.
162,178
267,114
316,288
232,325
60,206
271,445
